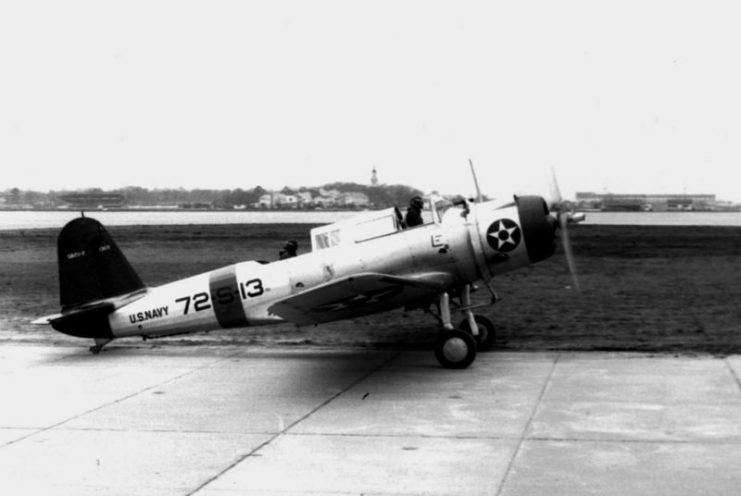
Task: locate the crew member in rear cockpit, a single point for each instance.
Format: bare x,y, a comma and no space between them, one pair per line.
289,250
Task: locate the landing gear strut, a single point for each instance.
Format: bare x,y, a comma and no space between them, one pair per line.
487,333
456,348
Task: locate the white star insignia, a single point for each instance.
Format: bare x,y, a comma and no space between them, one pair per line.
504,236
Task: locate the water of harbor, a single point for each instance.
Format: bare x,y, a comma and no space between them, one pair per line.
35,219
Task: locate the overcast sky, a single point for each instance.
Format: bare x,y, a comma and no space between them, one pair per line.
617,96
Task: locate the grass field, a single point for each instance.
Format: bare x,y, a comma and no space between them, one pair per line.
668,289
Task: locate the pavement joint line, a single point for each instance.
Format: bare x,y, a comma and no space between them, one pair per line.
733,373
158,431
710,442
526,429
533,438
110,403
283,432
269,433
402,436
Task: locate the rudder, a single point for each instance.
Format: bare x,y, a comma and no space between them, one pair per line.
91,266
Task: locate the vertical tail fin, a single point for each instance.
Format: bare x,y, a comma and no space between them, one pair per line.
91,266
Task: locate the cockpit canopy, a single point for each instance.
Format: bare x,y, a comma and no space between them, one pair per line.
360,228
373,224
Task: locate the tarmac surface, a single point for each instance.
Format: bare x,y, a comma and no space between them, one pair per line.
223,421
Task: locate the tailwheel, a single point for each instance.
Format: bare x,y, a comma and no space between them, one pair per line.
487,335
455,349
99,343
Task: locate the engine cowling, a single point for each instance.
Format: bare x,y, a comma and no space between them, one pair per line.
513,235
538,227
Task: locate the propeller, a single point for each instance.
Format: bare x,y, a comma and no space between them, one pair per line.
475,181
565,217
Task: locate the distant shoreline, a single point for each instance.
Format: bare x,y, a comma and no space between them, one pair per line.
186,210
55,219
343,210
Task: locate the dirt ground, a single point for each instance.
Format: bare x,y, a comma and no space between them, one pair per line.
644,288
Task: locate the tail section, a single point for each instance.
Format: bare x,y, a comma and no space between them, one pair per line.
91,266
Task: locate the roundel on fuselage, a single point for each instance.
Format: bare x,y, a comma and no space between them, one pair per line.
504,235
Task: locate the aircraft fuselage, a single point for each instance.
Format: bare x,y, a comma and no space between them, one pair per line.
239,295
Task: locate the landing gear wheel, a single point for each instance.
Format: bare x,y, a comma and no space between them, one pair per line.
455,349
487,333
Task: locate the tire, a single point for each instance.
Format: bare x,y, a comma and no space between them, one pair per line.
487,332
455,349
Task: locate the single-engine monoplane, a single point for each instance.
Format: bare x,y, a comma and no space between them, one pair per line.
366,265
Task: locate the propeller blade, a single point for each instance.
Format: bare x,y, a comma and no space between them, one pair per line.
564,218
475,181
557,199
563,221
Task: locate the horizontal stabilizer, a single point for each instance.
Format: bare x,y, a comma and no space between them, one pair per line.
46,319
91,319
357,295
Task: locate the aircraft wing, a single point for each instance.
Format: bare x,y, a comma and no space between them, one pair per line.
359,294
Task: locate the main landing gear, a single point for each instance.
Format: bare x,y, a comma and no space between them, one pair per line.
456,348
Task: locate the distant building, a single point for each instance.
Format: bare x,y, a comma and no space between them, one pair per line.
327,198
277,200
332,193
265,201
196,205
354,200
282,200
305,198
87,201
325,201
374,177
649,202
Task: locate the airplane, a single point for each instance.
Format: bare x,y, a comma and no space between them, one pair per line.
366,265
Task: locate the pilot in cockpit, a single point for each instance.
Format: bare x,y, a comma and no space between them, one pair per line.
414,212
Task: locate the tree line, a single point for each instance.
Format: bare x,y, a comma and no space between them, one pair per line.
380,196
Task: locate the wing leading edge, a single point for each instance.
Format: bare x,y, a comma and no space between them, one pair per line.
359,294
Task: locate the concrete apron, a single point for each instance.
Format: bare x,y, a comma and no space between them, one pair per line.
223,421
